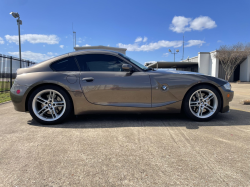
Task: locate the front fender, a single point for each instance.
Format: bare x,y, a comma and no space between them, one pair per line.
177,86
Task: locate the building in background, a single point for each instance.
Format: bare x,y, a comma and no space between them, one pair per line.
120,50
207,64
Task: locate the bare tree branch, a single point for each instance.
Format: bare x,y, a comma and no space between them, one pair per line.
232,55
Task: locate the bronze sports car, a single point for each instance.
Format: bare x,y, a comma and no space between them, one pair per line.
102,80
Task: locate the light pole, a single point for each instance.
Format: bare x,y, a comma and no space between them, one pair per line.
19,22
175,52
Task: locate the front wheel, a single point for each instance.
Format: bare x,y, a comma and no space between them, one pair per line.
49,105
202,103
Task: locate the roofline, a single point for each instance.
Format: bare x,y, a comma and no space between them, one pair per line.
93,50
186,60
203,52
100,46
207,52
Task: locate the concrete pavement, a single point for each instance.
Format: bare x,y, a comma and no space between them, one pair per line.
125,150
241,92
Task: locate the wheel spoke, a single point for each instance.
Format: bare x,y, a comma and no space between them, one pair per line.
197,95
210,107
51,113
194,103
41,100
43,112
201,97
54,112
198,113
209,97
202,108
54,95
51,95
59,104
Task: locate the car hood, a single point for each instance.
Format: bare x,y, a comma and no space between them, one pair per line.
166,71
219,81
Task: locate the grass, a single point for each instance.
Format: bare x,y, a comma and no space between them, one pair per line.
5,85
4,96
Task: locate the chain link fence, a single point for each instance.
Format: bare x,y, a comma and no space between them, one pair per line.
8,68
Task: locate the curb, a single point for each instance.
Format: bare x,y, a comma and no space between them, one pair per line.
239,109
5,102
239,82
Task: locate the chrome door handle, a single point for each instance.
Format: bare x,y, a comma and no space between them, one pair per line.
88,79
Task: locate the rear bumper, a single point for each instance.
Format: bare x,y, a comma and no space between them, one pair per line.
18,100
227,96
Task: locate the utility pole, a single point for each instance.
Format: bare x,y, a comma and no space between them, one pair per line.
183,48
175,52
19,22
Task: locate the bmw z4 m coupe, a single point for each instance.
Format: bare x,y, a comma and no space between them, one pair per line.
102,80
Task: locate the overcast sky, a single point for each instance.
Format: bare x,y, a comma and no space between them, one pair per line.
146,28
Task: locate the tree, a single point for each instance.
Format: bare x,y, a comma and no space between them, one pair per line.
232,55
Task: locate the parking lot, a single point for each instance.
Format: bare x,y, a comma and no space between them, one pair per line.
127,149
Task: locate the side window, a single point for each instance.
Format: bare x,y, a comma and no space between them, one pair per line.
99,62
66,64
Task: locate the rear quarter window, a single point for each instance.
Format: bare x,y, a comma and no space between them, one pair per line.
66,64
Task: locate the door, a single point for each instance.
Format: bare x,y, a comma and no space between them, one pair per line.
104,82
237,73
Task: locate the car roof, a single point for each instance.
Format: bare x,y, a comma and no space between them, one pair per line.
45,65
92,51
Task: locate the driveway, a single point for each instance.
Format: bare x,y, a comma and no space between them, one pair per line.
125,150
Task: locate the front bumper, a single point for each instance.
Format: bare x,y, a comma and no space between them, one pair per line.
227,96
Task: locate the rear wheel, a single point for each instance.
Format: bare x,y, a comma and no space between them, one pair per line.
49,104
202,103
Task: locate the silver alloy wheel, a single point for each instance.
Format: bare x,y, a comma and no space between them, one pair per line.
203,103
49,105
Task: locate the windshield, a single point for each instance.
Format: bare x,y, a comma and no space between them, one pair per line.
134,62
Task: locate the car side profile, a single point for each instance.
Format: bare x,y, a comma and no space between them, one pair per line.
101,80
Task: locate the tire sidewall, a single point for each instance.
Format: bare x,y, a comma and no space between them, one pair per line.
67,111
188,95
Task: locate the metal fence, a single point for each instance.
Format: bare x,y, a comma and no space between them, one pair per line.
8,68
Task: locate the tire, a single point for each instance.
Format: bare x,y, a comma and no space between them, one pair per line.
199,106
50,104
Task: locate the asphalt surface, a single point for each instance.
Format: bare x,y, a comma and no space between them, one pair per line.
125,150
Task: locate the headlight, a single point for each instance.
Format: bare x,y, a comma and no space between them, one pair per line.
227,86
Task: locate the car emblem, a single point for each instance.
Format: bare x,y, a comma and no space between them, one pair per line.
164,87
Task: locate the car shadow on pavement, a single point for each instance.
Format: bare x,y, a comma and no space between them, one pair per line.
111,120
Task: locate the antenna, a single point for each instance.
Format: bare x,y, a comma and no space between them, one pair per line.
183,48
74,37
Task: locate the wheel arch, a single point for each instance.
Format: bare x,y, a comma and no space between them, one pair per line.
209,84
42,84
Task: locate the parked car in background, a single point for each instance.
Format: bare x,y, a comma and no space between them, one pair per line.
101,80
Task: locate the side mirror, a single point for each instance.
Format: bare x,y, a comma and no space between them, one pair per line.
127,67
